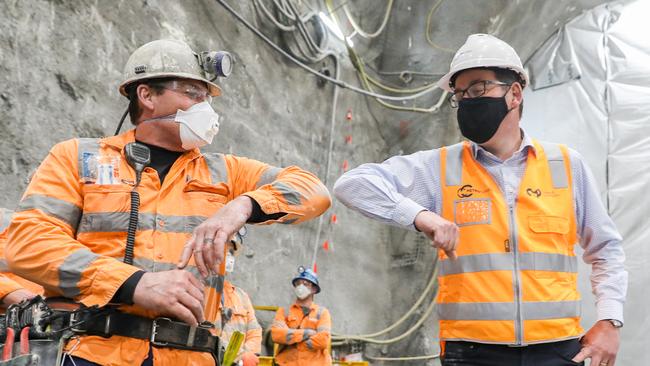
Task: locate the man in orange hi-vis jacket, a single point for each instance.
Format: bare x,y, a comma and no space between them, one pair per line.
13,289
69,232
304,330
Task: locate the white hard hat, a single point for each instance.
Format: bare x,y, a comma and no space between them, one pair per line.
165,58
483,50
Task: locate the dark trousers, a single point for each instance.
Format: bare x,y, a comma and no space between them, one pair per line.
81,362
477,354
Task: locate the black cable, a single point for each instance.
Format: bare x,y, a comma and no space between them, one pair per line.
133,223
119,126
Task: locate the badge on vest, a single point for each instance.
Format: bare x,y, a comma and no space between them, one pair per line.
473,211
100,169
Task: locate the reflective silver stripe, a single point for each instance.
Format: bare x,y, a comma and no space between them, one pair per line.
289,193
454,169
506,310
548,262
146,264
268,177
551,310
63,210
279,324
477,263
217,165
5,218
4,267
71,270
323,329
88,146
305,335
505,262
556,164
110,222
319,312
290,333
309,344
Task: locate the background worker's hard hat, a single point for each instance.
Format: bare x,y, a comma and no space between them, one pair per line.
165,58
483,50
308,275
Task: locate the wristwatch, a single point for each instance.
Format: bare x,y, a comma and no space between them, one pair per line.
615,323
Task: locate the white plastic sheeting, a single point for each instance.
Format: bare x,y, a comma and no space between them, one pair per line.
591,91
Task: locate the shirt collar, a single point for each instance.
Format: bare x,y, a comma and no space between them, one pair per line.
526,143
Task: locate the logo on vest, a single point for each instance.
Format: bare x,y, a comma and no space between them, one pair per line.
468,190
534,193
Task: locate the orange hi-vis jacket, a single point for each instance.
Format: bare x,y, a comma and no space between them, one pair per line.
69,235
9,282
239,309
304,339
514,281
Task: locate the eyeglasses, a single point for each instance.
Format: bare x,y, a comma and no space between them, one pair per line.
475,90
191,91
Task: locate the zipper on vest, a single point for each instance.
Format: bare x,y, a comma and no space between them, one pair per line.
519,323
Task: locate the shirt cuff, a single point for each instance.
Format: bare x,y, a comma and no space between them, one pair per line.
406,211
610,309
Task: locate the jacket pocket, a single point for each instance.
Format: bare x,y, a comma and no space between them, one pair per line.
203,199
548,224
105,208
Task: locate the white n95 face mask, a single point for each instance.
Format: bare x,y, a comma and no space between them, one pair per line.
302,291
199,124
230,263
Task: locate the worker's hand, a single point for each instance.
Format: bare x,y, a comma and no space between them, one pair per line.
17,296
176,293
208,240
443,234
250,359
600,344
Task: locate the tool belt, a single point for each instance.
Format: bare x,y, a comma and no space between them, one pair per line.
46,322
161,332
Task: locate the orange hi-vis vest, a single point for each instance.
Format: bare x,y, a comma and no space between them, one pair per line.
304,339
69,234
514,281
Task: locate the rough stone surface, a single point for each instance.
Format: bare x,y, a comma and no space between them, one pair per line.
61,62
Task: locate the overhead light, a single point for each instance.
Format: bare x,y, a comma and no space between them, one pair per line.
333,27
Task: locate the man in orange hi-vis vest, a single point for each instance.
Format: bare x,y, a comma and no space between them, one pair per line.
140,220
506,211
303,331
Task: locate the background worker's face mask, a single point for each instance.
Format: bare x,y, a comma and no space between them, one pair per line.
480,118
302,292
199,124
230,262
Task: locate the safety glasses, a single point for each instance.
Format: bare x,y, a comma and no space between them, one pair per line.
475,90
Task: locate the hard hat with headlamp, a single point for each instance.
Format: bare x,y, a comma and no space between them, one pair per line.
175,59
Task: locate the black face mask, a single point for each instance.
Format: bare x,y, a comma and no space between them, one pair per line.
480,118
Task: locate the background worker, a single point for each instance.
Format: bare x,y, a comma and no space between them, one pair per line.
304,330
236,312
70,229
506,211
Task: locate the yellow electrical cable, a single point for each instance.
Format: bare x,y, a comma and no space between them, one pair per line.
403,335
413,308
379,84
428,29
360,31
